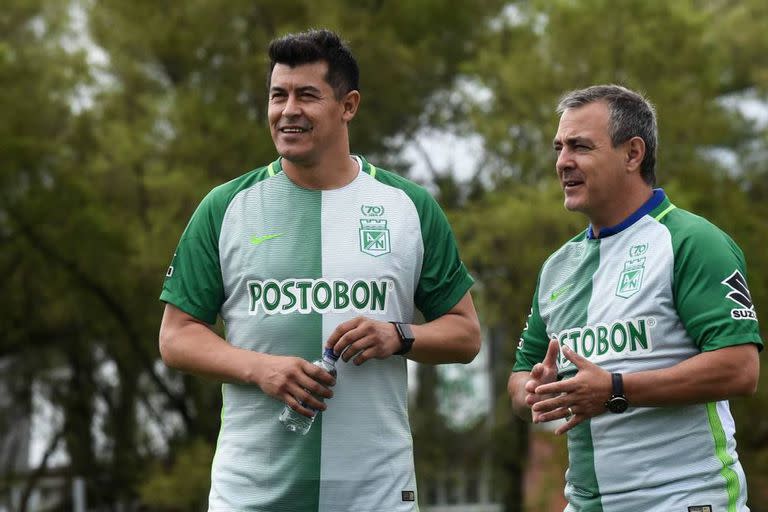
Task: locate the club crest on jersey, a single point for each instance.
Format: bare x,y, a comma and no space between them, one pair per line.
740,295
374,235
631,278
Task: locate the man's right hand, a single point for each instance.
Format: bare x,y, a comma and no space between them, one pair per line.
542,373
295,382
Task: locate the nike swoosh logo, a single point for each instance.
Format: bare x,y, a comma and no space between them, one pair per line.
557,293
256,240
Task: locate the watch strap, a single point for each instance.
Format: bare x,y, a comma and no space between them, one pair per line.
406,337
618,384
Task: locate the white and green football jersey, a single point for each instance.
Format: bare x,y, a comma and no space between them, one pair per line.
659,288
283,266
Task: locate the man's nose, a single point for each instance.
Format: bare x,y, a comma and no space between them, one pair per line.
292,107
564,160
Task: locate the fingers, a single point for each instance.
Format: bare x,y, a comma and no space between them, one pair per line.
296,382
340,330
304,402
556,409
318,375
560,413
306,394
362,339
572,420
550,360
576,359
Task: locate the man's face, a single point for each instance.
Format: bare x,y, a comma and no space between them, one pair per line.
592,172
305,118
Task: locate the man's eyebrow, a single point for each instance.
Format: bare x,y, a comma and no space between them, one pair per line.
305,88
308,88
570,141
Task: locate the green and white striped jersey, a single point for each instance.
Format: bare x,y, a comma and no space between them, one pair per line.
283,266
657,289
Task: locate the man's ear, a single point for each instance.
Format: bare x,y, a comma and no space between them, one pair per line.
635,153
350,102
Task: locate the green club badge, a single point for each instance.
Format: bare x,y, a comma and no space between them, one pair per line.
631,278
374,235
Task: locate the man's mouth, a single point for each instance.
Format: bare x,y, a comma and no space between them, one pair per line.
293,129
572,182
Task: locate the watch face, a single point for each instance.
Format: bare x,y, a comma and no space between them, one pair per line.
617,404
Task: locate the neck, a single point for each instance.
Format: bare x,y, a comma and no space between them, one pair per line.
328,174
625,206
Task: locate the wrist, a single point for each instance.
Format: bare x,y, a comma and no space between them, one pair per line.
252,372
618,402
405,338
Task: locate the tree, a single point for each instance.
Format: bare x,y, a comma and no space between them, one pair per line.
109,159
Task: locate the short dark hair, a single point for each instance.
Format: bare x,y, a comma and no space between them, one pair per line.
318,45
630,115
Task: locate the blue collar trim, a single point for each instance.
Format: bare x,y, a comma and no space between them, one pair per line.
655,200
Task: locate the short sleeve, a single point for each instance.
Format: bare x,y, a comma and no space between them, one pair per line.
193,282
533,341
710,288
444,279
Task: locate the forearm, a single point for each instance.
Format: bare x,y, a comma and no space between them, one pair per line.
517,393
451,338
193,347
706,377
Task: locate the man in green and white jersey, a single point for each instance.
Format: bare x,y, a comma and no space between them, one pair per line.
318,248
642,327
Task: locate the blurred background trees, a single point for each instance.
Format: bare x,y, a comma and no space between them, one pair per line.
117,117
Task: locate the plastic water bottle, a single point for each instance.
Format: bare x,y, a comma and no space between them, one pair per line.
292,420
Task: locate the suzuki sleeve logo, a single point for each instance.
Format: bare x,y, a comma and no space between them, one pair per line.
740,295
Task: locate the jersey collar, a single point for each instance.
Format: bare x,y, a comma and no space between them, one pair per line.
277,166
656,199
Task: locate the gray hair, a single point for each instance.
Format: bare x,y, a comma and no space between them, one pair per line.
630,115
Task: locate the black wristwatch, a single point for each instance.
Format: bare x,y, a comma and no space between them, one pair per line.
618,403
406,337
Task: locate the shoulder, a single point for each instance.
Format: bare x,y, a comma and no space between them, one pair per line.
223,194
573,248
226,191
691,231
417,193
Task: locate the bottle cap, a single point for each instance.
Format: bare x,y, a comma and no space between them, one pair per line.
329,353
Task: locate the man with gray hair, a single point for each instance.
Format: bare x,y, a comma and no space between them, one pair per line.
641,329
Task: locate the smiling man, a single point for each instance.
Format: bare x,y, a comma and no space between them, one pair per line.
642,327
319,248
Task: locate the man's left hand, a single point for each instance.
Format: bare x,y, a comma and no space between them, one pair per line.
584,395
361,339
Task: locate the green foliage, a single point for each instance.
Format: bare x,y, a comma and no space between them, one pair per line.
696,60
183,486
102,163
678,53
